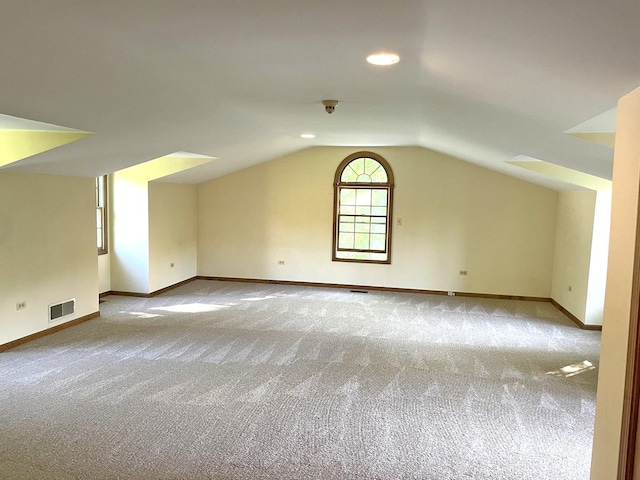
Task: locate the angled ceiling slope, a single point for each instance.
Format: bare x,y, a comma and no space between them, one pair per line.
21,138
164,166
600,129
483,81
573,179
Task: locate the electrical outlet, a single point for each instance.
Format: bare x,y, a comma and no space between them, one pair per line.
280,262
462,272
451,294
399,221
21,305
171,265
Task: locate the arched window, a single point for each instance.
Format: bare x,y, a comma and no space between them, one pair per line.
363,198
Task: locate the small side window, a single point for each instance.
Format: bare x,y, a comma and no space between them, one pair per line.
101,215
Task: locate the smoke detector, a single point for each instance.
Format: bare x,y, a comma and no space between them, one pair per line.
330,105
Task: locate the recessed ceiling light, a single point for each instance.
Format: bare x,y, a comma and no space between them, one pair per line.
307,135
383,58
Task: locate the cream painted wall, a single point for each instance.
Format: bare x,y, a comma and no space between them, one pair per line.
129,232
104,273
574,232
618,303
140,258
172,233
581,252
455,216
599,258
47,250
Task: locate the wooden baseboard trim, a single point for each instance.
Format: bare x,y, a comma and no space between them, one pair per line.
572,317
48,331
575,319
148,295
122,293
374,288
171,287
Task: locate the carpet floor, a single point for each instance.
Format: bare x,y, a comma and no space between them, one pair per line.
223,380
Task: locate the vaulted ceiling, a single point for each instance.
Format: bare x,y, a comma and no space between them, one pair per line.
488,81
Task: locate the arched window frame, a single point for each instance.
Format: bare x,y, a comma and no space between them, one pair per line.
367,255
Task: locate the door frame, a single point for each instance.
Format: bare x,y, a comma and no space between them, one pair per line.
631,401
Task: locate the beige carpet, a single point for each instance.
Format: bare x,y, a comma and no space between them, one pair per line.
220,380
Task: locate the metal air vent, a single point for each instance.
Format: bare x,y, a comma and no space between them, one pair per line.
62,309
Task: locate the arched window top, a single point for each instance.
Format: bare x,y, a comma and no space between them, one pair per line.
364,168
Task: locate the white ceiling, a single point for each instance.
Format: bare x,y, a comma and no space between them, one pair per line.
8,122
484,80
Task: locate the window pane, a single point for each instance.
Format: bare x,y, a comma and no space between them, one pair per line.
379,211
101,192
348,210
378,228
348,174
346,226
377,242
99,226
379,220
363,196
363,227
358,166
345,240
362,241
364,178
379,176
381,257
363,210
370,166
379,198
347,196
